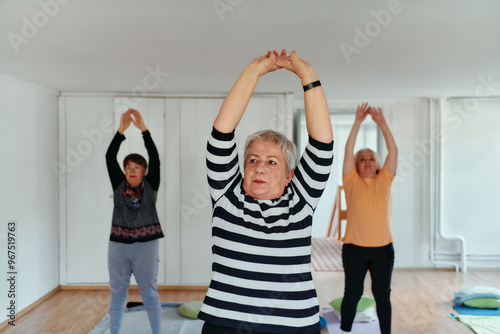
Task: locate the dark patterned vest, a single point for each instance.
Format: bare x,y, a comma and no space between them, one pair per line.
135,224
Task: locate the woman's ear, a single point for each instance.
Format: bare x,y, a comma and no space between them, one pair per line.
290,174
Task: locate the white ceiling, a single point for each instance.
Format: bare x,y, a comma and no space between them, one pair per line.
422,48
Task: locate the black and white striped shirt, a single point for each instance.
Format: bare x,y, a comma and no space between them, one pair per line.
261,271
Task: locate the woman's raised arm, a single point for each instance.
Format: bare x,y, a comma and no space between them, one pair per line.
391,161
237,99
349,160
316,108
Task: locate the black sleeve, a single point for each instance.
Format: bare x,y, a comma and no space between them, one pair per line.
154,161
116,175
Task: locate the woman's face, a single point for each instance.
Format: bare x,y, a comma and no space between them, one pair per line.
134,173
366,164
266,173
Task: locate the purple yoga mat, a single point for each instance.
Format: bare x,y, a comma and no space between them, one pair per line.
333,324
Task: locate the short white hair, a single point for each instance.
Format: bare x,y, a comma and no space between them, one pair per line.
288,147
375,155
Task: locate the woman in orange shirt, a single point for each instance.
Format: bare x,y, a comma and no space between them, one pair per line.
368,238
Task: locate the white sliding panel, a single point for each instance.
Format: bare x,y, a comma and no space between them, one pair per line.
172,184
89,130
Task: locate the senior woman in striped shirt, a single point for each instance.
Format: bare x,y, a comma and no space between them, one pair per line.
262,220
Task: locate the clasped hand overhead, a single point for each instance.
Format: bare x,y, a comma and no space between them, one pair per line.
365,110
129,117
273,61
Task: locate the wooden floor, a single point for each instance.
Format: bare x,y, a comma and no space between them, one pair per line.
421,299
421,302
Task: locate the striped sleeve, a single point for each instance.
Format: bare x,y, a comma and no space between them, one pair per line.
313,170
222,162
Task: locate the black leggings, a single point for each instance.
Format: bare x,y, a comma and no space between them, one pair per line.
209,328
357,261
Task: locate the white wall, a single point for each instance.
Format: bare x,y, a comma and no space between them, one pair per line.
471,189
29,193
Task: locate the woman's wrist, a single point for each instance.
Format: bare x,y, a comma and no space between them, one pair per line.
309,76
253,69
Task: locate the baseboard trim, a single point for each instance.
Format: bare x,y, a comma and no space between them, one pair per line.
30,307
135,287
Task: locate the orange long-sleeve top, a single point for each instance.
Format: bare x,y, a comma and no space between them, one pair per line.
368,209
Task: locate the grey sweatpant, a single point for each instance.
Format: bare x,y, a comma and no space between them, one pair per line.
141,259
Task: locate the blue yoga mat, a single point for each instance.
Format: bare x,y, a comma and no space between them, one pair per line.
465,310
